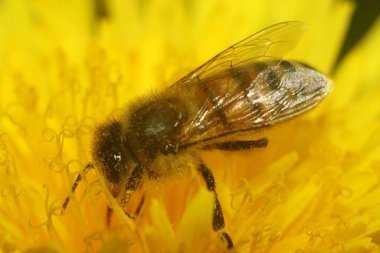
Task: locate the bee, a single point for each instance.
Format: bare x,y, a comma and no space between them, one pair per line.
244,89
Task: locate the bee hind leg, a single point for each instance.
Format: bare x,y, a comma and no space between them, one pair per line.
238,145
218,218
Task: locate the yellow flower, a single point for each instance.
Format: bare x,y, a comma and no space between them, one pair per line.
67,65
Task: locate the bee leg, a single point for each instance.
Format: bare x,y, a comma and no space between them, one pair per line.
109,216
133,183
131,216
75,185
139,207
136,212
218,218
238,145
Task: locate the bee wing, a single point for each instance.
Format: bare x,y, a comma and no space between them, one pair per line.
222,99
273,42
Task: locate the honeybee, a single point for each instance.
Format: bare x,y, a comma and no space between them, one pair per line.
244,89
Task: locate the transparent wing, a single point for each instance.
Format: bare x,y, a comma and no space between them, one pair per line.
273,42
248,87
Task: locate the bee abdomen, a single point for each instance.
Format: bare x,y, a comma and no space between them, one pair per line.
221,91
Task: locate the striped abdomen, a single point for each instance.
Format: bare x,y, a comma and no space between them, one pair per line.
249,97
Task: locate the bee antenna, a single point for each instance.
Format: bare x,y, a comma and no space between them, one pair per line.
75,185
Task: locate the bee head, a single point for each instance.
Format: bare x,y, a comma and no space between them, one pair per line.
110,154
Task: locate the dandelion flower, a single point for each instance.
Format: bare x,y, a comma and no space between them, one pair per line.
67,65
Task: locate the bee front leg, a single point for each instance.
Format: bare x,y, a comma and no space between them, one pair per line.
218,218
133,183
75,185
132,216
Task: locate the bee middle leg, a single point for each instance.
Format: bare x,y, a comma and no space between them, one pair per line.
218,218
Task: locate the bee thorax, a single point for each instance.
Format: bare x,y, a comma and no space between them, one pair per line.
154,127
